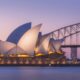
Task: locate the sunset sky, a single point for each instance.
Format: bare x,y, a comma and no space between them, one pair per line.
53,14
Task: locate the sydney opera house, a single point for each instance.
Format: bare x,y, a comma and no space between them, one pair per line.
27,44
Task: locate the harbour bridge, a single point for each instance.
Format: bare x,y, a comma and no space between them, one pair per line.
71,35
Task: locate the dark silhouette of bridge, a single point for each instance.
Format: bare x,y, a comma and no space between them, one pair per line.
71,35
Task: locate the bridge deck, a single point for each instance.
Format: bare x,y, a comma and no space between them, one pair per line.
65,46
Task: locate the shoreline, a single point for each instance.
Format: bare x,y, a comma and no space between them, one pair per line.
39,65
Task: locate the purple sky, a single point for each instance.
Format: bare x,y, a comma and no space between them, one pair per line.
52,13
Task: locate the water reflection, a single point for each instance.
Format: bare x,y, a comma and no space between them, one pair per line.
49,73
9,73
39,73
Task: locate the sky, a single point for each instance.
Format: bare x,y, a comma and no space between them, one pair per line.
53,14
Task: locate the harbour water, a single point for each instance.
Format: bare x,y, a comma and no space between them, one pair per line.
39,73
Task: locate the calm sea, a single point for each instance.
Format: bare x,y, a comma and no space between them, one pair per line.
39,73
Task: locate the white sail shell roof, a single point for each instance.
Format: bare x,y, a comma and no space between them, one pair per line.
29,39
57,44
51,48
44,43
16,50
6,46
49,44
